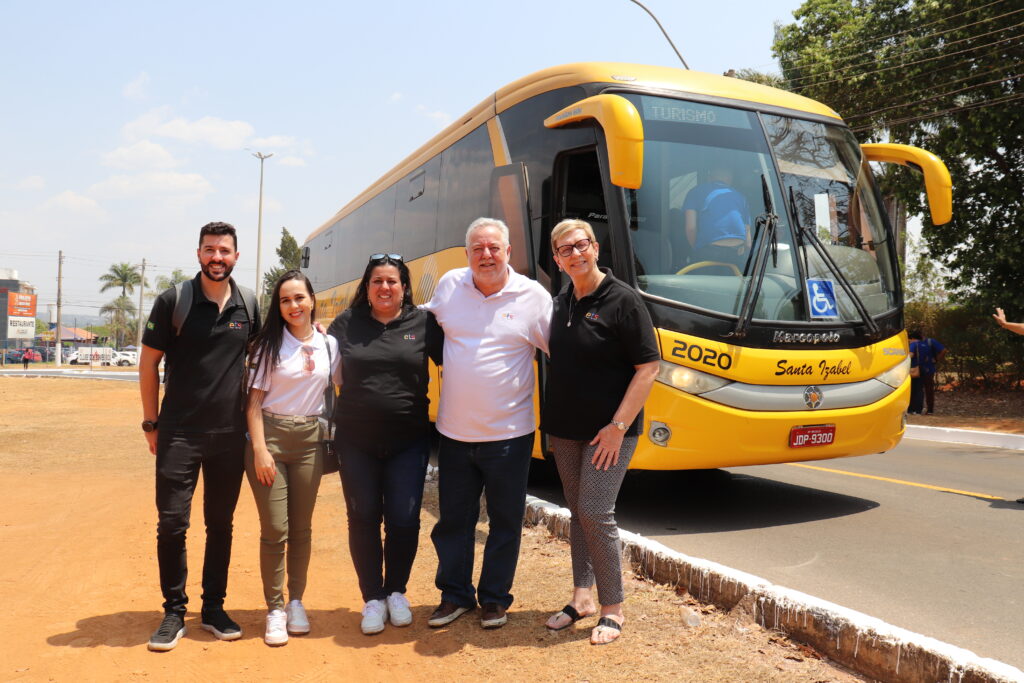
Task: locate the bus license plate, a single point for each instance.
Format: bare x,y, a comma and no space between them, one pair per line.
812,435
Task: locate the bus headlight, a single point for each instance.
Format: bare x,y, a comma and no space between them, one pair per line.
687,379
896,375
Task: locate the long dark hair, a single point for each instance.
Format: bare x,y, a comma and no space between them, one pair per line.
265,348
361,298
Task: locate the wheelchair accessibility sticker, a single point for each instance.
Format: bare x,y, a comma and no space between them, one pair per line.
821,298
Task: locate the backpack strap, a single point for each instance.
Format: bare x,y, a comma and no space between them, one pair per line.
182,305
249,298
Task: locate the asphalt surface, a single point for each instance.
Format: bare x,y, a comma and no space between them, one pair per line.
949,565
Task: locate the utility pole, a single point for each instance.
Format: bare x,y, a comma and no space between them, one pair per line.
56,333
259,227
138,327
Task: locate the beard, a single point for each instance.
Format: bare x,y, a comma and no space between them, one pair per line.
215,277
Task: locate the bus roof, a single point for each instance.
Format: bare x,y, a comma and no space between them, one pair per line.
633,76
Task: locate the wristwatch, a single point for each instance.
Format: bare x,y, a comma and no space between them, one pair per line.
621,425
149,425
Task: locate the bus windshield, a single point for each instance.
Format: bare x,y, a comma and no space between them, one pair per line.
712,193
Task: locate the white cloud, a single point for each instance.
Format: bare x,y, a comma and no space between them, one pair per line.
443,118
210,130
136,90
395,97
32,182
273,142
77,204
182,186
292,161
143,155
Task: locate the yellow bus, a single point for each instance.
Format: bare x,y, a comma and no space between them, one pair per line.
795,352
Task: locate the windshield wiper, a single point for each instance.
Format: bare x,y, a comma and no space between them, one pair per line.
767,222
810,237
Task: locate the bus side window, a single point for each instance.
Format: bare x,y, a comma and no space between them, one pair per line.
579,195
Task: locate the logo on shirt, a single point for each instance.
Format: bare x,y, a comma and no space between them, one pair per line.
235,325
508,316
409,337
592,316
150,325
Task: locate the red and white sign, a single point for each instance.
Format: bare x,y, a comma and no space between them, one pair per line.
23,305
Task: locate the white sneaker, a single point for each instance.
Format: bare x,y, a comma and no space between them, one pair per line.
398,608
374,614
277,629
298,622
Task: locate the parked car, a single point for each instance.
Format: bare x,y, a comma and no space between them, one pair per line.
126,358
13,355
70,358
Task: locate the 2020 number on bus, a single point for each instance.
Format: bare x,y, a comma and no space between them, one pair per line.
812,435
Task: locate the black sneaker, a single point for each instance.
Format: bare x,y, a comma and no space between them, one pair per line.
217,622
172,628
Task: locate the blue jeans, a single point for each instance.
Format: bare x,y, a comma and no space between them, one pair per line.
179,459
384,486
500,469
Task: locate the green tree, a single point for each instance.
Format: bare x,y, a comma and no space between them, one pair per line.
123,276
164,282
120,315
290,257
943,76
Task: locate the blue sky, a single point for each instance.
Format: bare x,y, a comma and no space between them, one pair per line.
128,125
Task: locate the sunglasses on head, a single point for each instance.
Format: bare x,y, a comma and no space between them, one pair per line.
381,258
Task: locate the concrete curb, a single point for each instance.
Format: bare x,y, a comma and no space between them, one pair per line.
967,436
864,644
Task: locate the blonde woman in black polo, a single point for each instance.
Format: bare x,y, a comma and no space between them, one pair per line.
604,359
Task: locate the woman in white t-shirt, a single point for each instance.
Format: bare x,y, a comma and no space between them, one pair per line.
284,458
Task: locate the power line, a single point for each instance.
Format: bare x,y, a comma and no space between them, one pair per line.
955,110
906,64
882,39
935,97
930,47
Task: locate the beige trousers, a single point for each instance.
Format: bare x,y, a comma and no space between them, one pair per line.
286,507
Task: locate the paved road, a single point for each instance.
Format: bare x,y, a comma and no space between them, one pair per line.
946,564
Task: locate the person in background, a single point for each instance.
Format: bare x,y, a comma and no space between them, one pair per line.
925,352
716,220
383,431
200,426
604,358
494,321
1016,328
26,358
289,369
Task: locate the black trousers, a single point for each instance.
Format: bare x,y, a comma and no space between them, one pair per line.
180,457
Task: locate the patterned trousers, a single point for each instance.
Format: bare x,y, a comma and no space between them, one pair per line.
590,495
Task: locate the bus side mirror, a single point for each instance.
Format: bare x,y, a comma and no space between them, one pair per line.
623,131
937,183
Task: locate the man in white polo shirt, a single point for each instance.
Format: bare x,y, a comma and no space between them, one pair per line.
494,319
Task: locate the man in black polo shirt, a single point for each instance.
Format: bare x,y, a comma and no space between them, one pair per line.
199,426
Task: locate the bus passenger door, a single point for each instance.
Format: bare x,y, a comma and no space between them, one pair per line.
510,203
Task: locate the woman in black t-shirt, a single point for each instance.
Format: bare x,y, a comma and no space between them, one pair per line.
383,432
604,359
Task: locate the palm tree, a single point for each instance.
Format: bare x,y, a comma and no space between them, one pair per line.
167,281
120,313
123,275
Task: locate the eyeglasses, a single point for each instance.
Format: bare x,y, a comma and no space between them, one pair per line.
308,362
380,258
565,251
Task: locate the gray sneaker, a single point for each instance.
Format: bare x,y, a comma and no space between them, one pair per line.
172,628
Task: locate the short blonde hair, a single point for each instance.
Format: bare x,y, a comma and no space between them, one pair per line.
567,226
